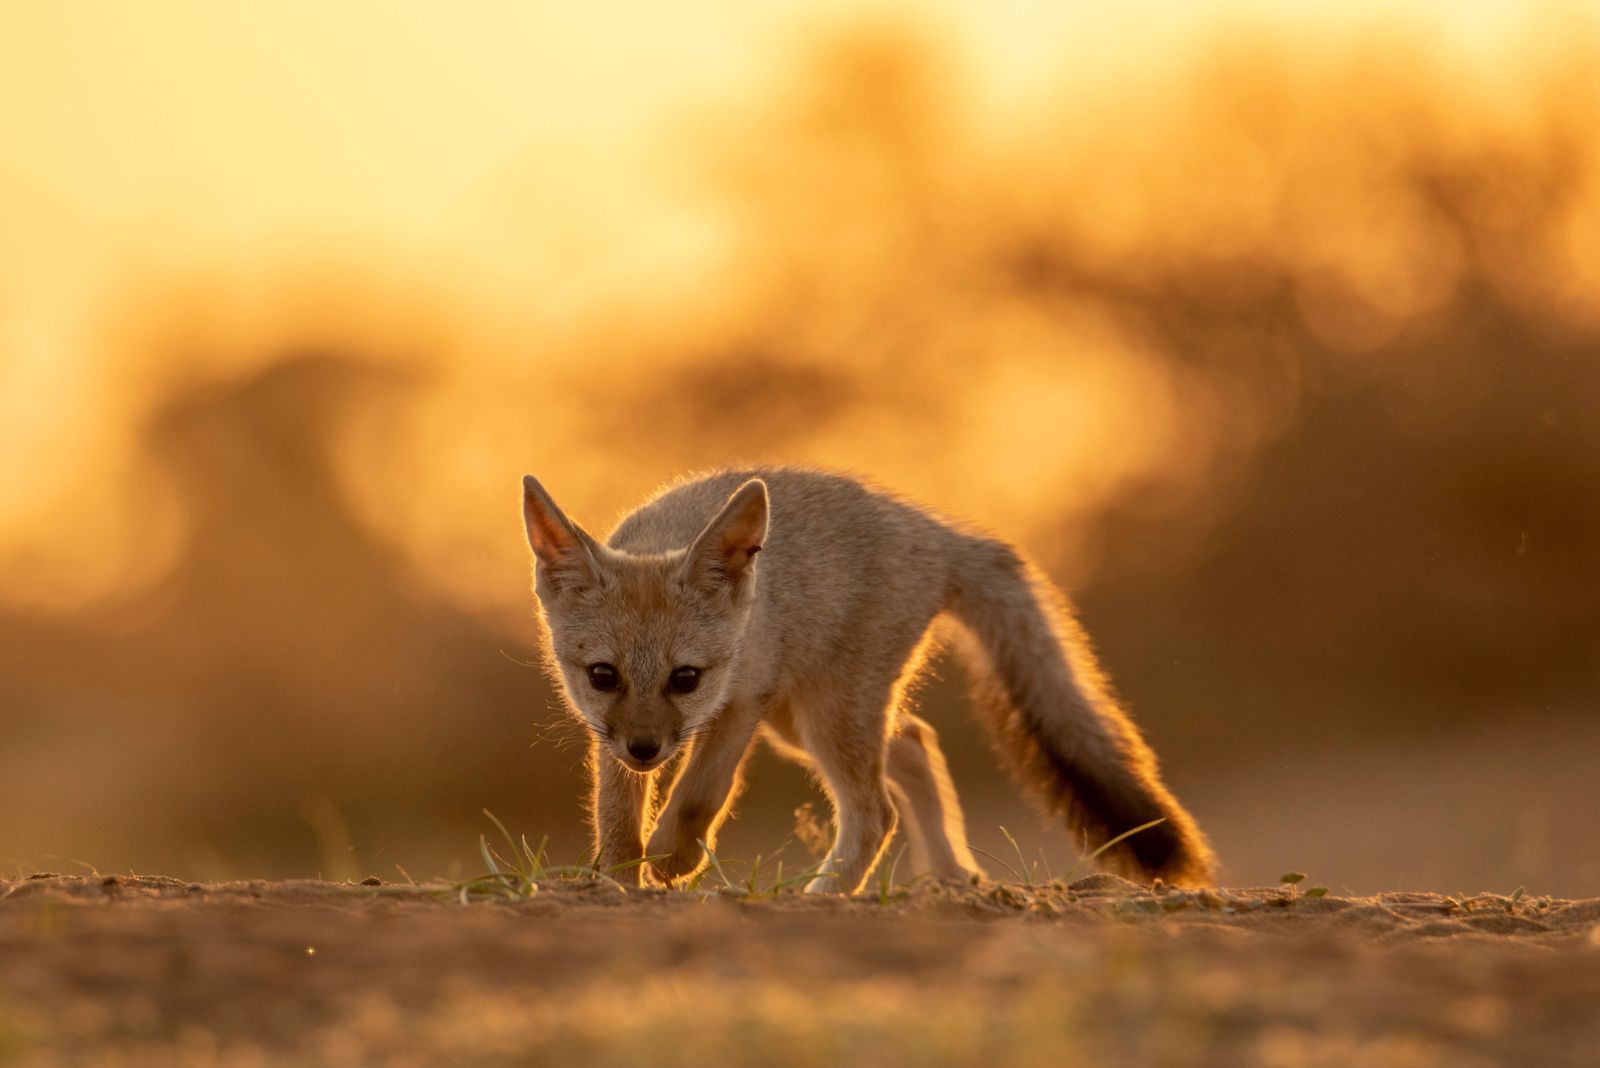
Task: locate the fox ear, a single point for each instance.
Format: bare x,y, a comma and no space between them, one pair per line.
560,546
725,551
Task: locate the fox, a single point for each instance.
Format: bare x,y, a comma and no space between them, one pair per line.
800,606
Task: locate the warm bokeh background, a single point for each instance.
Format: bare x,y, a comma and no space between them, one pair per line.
1276,338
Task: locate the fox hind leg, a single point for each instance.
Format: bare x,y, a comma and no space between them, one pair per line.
846,741
920,782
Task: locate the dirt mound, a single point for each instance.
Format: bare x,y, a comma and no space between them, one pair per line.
142,970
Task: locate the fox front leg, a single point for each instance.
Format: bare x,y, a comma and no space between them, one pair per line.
617,813
700,795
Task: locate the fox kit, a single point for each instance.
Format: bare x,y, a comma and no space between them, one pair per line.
674,634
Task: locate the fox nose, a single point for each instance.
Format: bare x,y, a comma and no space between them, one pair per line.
642,747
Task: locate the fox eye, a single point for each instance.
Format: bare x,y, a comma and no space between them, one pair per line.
684,679
603,677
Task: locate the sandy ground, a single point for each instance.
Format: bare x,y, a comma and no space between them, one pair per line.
141,970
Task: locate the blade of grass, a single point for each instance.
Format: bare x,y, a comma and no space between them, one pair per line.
798,880
488,857
625,865
581,871
536,858
511,843
886,880
990,856
1021,859
717,865
1118,840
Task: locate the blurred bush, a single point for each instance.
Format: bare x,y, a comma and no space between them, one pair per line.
1285,358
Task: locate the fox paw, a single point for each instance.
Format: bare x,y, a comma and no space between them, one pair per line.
825,884
672,858
625,870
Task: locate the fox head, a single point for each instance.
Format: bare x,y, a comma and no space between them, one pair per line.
645,645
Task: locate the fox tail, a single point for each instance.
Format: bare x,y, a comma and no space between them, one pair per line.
1052,717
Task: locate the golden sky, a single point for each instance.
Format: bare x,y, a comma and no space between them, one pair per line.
524,160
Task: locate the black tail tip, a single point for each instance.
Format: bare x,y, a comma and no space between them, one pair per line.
1172,851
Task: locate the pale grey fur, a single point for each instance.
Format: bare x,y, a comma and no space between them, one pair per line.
813,642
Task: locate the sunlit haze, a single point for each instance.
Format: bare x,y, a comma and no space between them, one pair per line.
1269,330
